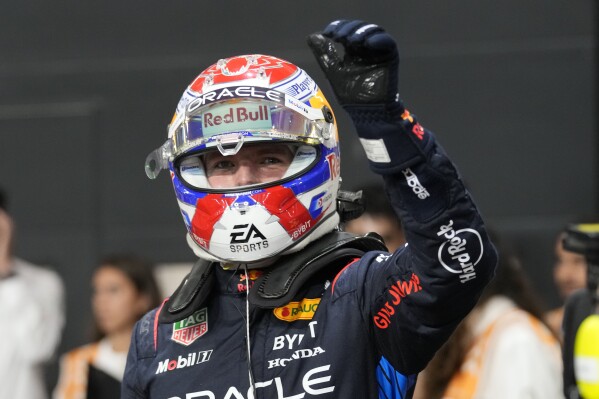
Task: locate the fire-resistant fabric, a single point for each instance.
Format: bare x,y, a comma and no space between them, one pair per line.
363,332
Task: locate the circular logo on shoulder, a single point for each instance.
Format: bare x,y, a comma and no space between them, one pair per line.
460,253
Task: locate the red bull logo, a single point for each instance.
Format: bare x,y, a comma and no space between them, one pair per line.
244,281
236,114
229,118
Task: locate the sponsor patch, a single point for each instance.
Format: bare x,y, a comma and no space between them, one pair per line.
298,354
253,276
315,382
241,236
334,166
415,184
300,87
406,116
191,328
461,251
227,93
398,290
303,310
181,362
243,233
236,117
376,151
418,131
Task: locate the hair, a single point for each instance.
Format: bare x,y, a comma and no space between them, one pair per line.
140,272
3,200
510,281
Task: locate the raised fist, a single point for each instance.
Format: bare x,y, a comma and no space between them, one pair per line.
368,71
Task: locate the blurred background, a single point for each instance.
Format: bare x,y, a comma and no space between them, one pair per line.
87,89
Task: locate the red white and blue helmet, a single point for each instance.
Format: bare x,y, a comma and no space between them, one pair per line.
251,100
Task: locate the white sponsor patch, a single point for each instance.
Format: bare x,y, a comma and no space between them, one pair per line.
376,151
315,382
413,182
181,362
461,251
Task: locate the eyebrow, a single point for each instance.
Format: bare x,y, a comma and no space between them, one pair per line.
279,149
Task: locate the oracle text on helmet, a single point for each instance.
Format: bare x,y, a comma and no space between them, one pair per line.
235,92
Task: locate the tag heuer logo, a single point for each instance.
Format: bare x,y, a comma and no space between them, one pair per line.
191,328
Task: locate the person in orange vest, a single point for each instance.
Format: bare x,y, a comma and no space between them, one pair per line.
123,289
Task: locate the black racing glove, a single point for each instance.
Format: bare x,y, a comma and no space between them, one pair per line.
365,82
367,74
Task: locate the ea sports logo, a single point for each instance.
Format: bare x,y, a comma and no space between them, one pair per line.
242,234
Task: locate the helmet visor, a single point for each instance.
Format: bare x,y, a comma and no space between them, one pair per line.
237,117
251,118
254,166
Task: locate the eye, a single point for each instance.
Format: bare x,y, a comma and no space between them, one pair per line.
219,165
222,165
113,289
271,160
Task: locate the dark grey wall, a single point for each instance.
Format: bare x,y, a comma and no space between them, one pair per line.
86,90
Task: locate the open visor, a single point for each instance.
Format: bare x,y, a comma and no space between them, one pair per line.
229,123
255,166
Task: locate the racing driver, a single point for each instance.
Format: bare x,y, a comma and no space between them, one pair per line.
281,304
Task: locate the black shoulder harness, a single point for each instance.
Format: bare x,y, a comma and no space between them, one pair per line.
280,283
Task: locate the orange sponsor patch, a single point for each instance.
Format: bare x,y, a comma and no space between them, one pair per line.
302,310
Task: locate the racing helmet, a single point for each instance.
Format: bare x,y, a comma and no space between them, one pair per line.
259,113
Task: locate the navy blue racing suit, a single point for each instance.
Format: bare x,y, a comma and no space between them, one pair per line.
364,331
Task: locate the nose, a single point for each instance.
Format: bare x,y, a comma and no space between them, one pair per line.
246,175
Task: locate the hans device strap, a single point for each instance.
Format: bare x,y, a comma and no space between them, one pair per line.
190,294
280,283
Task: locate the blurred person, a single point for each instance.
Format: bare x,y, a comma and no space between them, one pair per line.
581,315
569,275
378,217
502,349
281,304
123,289
32,317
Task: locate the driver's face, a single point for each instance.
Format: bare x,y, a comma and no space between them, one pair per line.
253,164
